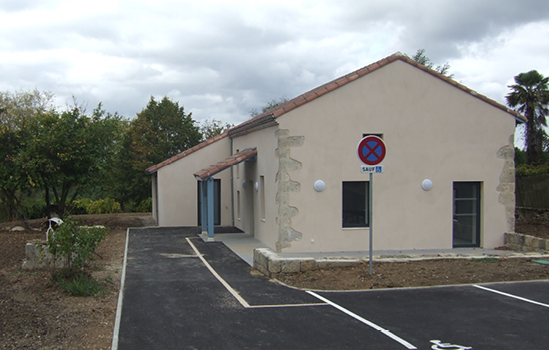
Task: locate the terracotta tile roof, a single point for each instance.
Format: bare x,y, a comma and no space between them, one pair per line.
175,158
339,82
225,163
270,115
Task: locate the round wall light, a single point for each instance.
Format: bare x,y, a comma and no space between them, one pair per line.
427,184
244,184
319,185
256,186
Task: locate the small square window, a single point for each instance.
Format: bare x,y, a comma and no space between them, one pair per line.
371,134
355,204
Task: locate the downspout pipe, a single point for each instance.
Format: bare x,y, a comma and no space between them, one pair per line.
232,184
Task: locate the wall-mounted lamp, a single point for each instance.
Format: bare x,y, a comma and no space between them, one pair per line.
319,185
256,186
427,184
244,184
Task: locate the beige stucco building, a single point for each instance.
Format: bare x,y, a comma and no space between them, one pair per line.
434,129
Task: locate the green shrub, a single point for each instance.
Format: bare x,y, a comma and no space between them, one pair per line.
525,170
79,284
80,206
74,243
145,206
103,206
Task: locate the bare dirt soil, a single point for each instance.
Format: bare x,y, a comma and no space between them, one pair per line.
36,314
424,273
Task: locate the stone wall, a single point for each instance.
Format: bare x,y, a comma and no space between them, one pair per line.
268,262
525,243
532,216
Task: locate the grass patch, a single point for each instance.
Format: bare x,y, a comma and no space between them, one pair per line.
78,284
486,260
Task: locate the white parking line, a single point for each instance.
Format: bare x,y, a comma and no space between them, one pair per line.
365,321
511,295
241,300
216,275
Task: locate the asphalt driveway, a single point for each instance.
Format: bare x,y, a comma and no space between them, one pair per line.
183,293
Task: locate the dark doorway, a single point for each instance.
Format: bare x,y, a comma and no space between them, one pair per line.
466,228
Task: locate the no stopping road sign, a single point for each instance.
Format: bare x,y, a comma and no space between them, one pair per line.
371,150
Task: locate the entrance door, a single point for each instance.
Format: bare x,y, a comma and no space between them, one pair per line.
466,231
217,202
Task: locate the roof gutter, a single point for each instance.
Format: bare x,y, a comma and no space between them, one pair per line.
259,123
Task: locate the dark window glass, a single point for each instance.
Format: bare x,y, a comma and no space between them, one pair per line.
355,204
466,228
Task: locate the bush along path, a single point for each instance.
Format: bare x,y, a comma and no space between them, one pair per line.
71,248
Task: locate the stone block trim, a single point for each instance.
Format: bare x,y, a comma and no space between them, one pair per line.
506,187
269,262
525,243
286,164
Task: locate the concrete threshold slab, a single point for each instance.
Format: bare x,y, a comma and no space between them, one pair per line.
242,244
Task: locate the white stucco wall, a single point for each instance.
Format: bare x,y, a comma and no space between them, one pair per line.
431,129
266,165
177,187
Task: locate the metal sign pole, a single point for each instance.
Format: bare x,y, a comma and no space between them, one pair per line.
371,218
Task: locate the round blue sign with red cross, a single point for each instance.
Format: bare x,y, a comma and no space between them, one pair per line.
371,150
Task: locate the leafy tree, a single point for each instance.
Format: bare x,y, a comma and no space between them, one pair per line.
269,105
160,131
530,96
17,111
421,58
212,127
66,152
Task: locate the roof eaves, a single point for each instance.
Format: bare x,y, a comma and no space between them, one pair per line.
154,168
462,87
225,163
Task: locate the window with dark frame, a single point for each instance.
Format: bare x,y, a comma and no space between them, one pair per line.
355,204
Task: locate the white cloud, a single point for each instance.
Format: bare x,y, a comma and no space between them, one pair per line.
222,58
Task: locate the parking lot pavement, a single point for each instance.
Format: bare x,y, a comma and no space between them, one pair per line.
463,315
173,301
183,293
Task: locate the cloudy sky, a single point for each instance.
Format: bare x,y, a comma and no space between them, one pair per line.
220,59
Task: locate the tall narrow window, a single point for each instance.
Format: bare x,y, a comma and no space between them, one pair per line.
355,204
466,214
262,196
238,216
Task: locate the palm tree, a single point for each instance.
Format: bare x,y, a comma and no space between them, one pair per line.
530,96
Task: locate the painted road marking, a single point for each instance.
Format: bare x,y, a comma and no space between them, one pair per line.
438,345
285,305
230,289
365,321
511,296
216,275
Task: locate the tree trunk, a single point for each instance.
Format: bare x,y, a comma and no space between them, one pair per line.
534,140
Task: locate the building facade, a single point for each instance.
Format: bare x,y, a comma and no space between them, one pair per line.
433,128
